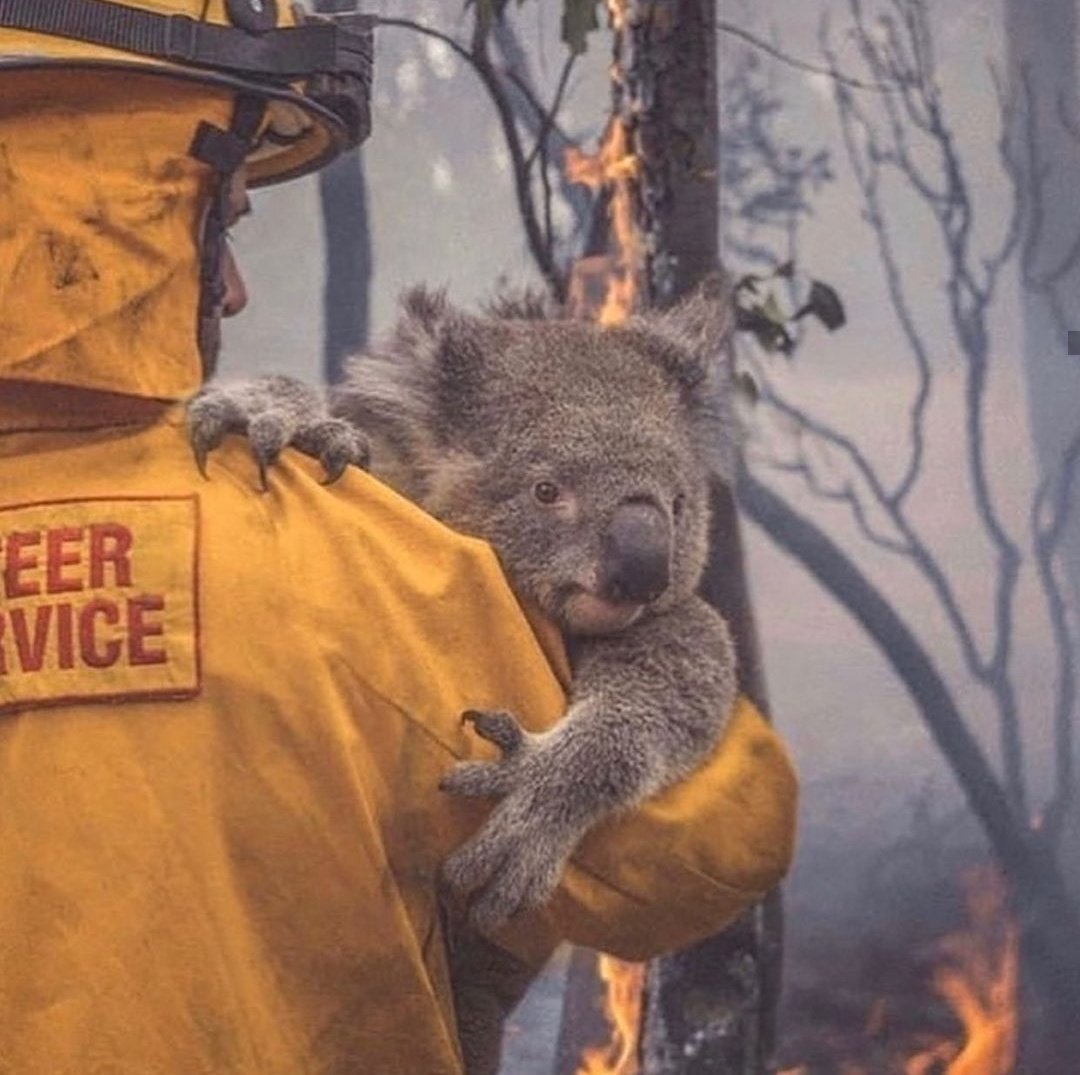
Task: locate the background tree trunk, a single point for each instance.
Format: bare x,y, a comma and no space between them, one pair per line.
347,287
712,1008
1041,40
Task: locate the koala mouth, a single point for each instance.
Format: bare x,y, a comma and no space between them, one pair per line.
587,613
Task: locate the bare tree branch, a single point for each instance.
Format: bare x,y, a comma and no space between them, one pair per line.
793,61
477,56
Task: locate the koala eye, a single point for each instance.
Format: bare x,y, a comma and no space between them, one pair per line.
678,504
546,492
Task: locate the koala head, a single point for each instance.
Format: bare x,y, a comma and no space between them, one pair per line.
582,454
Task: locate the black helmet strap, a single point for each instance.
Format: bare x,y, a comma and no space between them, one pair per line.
225,152
285,54
317,52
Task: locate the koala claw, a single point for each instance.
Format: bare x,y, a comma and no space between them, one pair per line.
274,412
337,445
498,727
208,420
268,436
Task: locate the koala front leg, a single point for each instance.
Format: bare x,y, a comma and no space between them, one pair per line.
648,706
514,862
274,412
553,787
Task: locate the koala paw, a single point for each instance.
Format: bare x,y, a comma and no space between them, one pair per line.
477,779
512,864
274,413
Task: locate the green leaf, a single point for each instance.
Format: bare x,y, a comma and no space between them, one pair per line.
578,21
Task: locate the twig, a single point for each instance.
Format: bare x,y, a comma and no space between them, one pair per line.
477,57
793,61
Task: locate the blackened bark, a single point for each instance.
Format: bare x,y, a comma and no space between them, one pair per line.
583,1023
709,1009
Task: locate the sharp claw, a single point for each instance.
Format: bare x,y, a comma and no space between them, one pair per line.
201,457
264,485
498,728
333,468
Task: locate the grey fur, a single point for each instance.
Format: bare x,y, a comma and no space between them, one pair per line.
477,419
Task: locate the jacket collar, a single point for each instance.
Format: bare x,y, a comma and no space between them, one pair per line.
26,407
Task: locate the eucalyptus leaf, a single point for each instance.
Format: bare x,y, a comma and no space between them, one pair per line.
578,21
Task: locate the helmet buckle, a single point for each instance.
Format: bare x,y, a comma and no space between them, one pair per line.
181,37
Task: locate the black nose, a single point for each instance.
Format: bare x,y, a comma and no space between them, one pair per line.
637,553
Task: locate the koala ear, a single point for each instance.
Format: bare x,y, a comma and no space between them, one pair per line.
696,350
700,325
407,389
440,342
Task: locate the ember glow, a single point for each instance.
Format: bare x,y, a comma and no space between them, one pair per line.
623,983
977,978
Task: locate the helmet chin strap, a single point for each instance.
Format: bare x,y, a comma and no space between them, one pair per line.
225,152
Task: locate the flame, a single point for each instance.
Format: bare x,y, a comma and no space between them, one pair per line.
978,979
616,276
622,1008
617,14
979,982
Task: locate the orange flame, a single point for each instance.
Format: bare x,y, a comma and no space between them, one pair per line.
617,14
978,980
616,276
622,1008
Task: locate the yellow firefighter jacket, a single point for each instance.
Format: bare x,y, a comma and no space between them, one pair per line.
224,714
223,717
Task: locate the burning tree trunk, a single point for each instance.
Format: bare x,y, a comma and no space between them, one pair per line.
709,1009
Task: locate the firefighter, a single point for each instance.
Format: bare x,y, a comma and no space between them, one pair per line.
224,714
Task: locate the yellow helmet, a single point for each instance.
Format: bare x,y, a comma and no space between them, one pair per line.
314,77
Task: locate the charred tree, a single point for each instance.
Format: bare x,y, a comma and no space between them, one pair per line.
346,301
709,1009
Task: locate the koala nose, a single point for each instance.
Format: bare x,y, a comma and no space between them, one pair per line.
637,553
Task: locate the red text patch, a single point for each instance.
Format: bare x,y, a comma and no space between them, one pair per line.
98,601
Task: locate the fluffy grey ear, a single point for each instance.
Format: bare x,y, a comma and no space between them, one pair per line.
696,338
701,325
440,341
404,391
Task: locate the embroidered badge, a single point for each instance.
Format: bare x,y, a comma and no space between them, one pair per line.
98,601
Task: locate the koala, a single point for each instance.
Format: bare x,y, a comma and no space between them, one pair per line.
584,456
